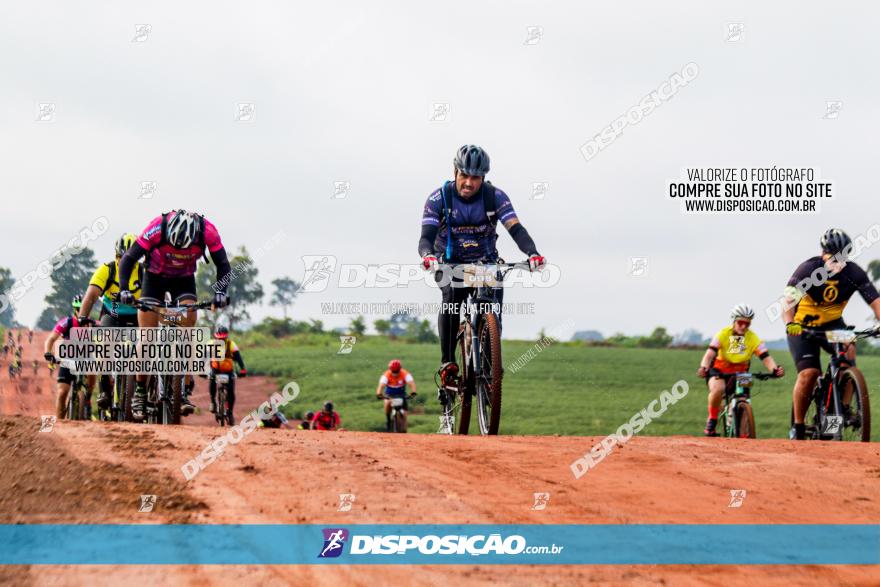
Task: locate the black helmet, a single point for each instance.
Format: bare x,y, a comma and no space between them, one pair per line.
834,241
221,332
310,415
328,406
472,160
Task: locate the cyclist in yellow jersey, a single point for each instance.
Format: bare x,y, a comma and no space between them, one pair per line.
104,284
730,351
226,366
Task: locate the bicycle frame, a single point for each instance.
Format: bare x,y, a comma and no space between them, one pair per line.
826,391
741,394
170,316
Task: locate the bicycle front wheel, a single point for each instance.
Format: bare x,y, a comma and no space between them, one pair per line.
176,392
222,405
745,421
397,422
857,424
457,411
489,379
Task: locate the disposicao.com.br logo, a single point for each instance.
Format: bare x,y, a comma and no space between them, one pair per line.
431,544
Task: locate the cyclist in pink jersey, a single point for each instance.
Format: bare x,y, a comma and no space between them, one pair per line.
172,243
65,377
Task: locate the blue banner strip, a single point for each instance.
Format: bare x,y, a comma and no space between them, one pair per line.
604,544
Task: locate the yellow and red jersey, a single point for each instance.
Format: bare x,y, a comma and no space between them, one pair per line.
226,365
734,351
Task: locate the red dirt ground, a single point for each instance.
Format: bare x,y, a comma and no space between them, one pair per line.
282,476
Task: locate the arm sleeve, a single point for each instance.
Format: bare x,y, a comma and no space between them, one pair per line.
126,264
426,242
430,223
237,357
223,268
865,286
522,239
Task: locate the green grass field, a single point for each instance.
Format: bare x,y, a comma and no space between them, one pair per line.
566,389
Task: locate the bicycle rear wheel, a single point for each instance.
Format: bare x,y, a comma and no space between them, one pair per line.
745,421
853,381
812,419
489,379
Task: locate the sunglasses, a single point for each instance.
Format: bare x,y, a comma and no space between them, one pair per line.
743,322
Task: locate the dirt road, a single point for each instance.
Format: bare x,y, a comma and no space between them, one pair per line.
94,472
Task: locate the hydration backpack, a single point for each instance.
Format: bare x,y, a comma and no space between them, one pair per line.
487,193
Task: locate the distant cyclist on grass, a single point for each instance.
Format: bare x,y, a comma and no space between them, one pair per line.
820,307
731,351
172,243
393,384
459,225
105,285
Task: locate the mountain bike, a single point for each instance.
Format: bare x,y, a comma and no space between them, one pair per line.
123,391
165,390
478,351
223,415
829,415
79,405
737,414
398,411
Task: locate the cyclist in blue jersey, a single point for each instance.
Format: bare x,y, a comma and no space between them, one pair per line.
459,225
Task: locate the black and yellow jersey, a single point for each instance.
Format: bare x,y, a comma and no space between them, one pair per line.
106,279
826,302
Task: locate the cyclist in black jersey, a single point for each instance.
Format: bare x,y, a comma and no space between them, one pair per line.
816,296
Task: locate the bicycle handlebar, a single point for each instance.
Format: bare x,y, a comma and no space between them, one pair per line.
386,396
822,334
156,306
758,376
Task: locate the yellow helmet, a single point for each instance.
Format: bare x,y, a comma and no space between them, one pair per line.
124,243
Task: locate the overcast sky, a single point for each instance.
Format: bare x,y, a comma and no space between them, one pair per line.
343,92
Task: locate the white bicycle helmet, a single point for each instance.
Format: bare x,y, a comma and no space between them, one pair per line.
183,229
742,311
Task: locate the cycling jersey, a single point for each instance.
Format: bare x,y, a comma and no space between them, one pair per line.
734,351
473,232
64,325
825,302
168,261
102,276
325,421
226,365
395,383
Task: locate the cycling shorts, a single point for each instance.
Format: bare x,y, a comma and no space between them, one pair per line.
65,376
180,288
805,351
